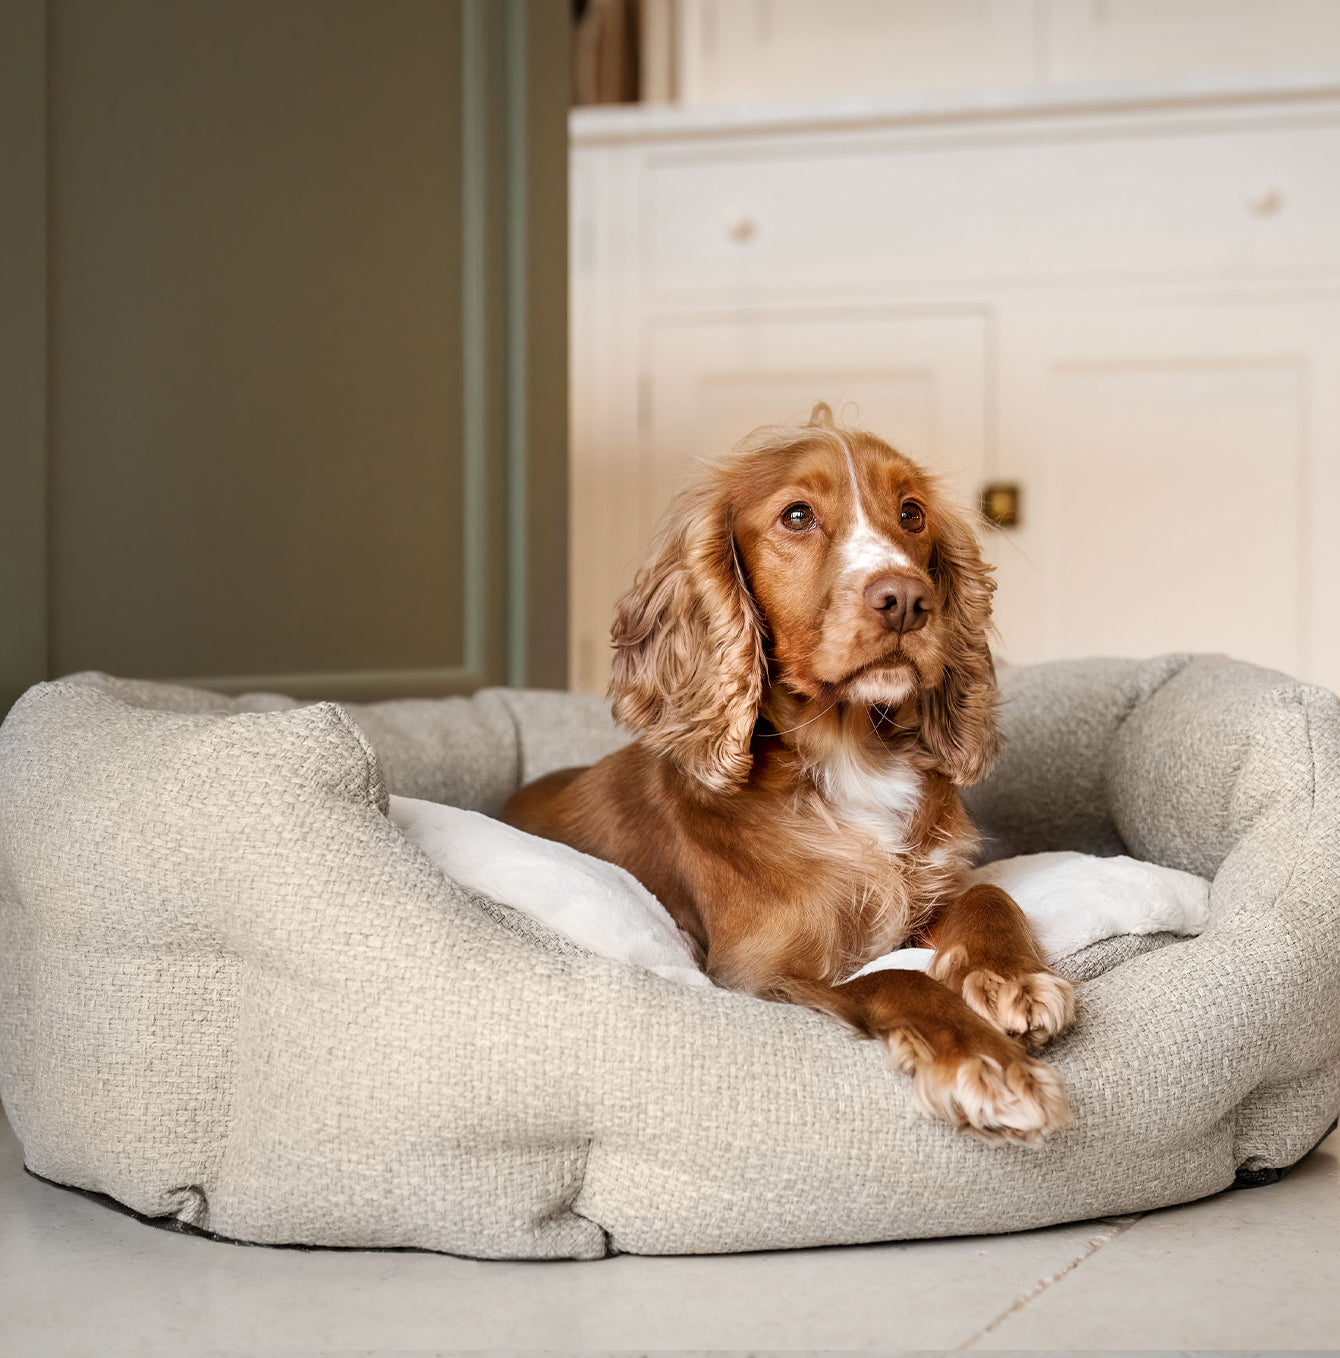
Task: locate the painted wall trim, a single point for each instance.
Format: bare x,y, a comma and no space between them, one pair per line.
23,348
346,685
538,85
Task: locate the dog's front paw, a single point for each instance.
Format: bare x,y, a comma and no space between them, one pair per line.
1034,1007
987,1087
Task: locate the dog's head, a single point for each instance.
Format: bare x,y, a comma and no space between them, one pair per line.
818,559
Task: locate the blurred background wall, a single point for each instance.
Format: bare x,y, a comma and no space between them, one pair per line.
283,379
1081,255
284,370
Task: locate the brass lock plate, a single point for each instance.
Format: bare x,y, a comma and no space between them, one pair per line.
1000,504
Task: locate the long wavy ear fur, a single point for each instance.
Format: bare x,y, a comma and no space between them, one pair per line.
689,667
958,716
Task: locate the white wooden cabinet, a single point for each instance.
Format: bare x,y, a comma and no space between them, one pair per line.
1126,302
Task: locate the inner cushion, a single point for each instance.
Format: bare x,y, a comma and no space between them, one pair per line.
1073,900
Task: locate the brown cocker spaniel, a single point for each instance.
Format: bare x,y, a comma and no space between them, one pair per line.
805,663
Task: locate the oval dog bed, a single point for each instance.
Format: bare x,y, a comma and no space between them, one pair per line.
234,996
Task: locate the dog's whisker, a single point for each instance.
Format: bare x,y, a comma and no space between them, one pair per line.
811,721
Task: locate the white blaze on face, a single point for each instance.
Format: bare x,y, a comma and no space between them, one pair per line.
866,552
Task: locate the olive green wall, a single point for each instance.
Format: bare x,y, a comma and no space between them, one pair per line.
285,387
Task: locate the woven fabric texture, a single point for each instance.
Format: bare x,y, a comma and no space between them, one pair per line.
232,993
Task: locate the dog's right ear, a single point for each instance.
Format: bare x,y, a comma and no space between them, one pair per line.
958,715
689,664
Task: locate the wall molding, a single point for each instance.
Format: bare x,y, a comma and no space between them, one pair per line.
23,348
347,685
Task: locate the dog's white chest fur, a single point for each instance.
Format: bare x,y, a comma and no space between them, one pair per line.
879,801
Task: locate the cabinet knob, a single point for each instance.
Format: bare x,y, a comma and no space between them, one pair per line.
740,227
1000,504
1264,200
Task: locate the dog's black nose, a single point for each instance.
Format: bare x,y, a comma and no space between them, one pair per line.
902,601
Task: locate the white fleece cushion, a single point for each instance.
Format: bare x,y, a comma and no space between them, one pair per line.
596,904
1072,899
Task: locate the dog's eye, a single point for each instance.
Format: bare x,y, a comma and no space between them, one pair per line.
798,518
913,517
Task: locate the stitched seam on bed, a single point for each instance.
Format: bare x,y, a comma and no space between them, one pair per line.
518,752
1138,702
1135,704
571,1205
1302,701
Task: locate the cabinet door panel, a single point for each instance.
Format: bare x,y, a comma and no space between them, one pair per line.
915,379
1171,460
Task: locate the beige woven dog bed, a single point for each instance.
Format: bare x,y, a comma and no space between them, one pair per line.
234,996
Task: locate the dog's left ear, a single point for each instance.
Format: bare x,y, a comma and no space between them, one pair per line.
958,716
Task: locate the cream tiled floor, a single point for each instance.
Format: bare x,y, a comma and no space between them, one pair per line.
1253,1270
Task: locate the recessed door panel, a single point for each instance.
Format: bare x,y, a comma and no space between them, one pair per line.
1175,464
917,381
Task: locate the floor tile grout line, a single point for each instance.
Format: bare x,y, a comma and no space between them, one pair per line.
1117,1226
